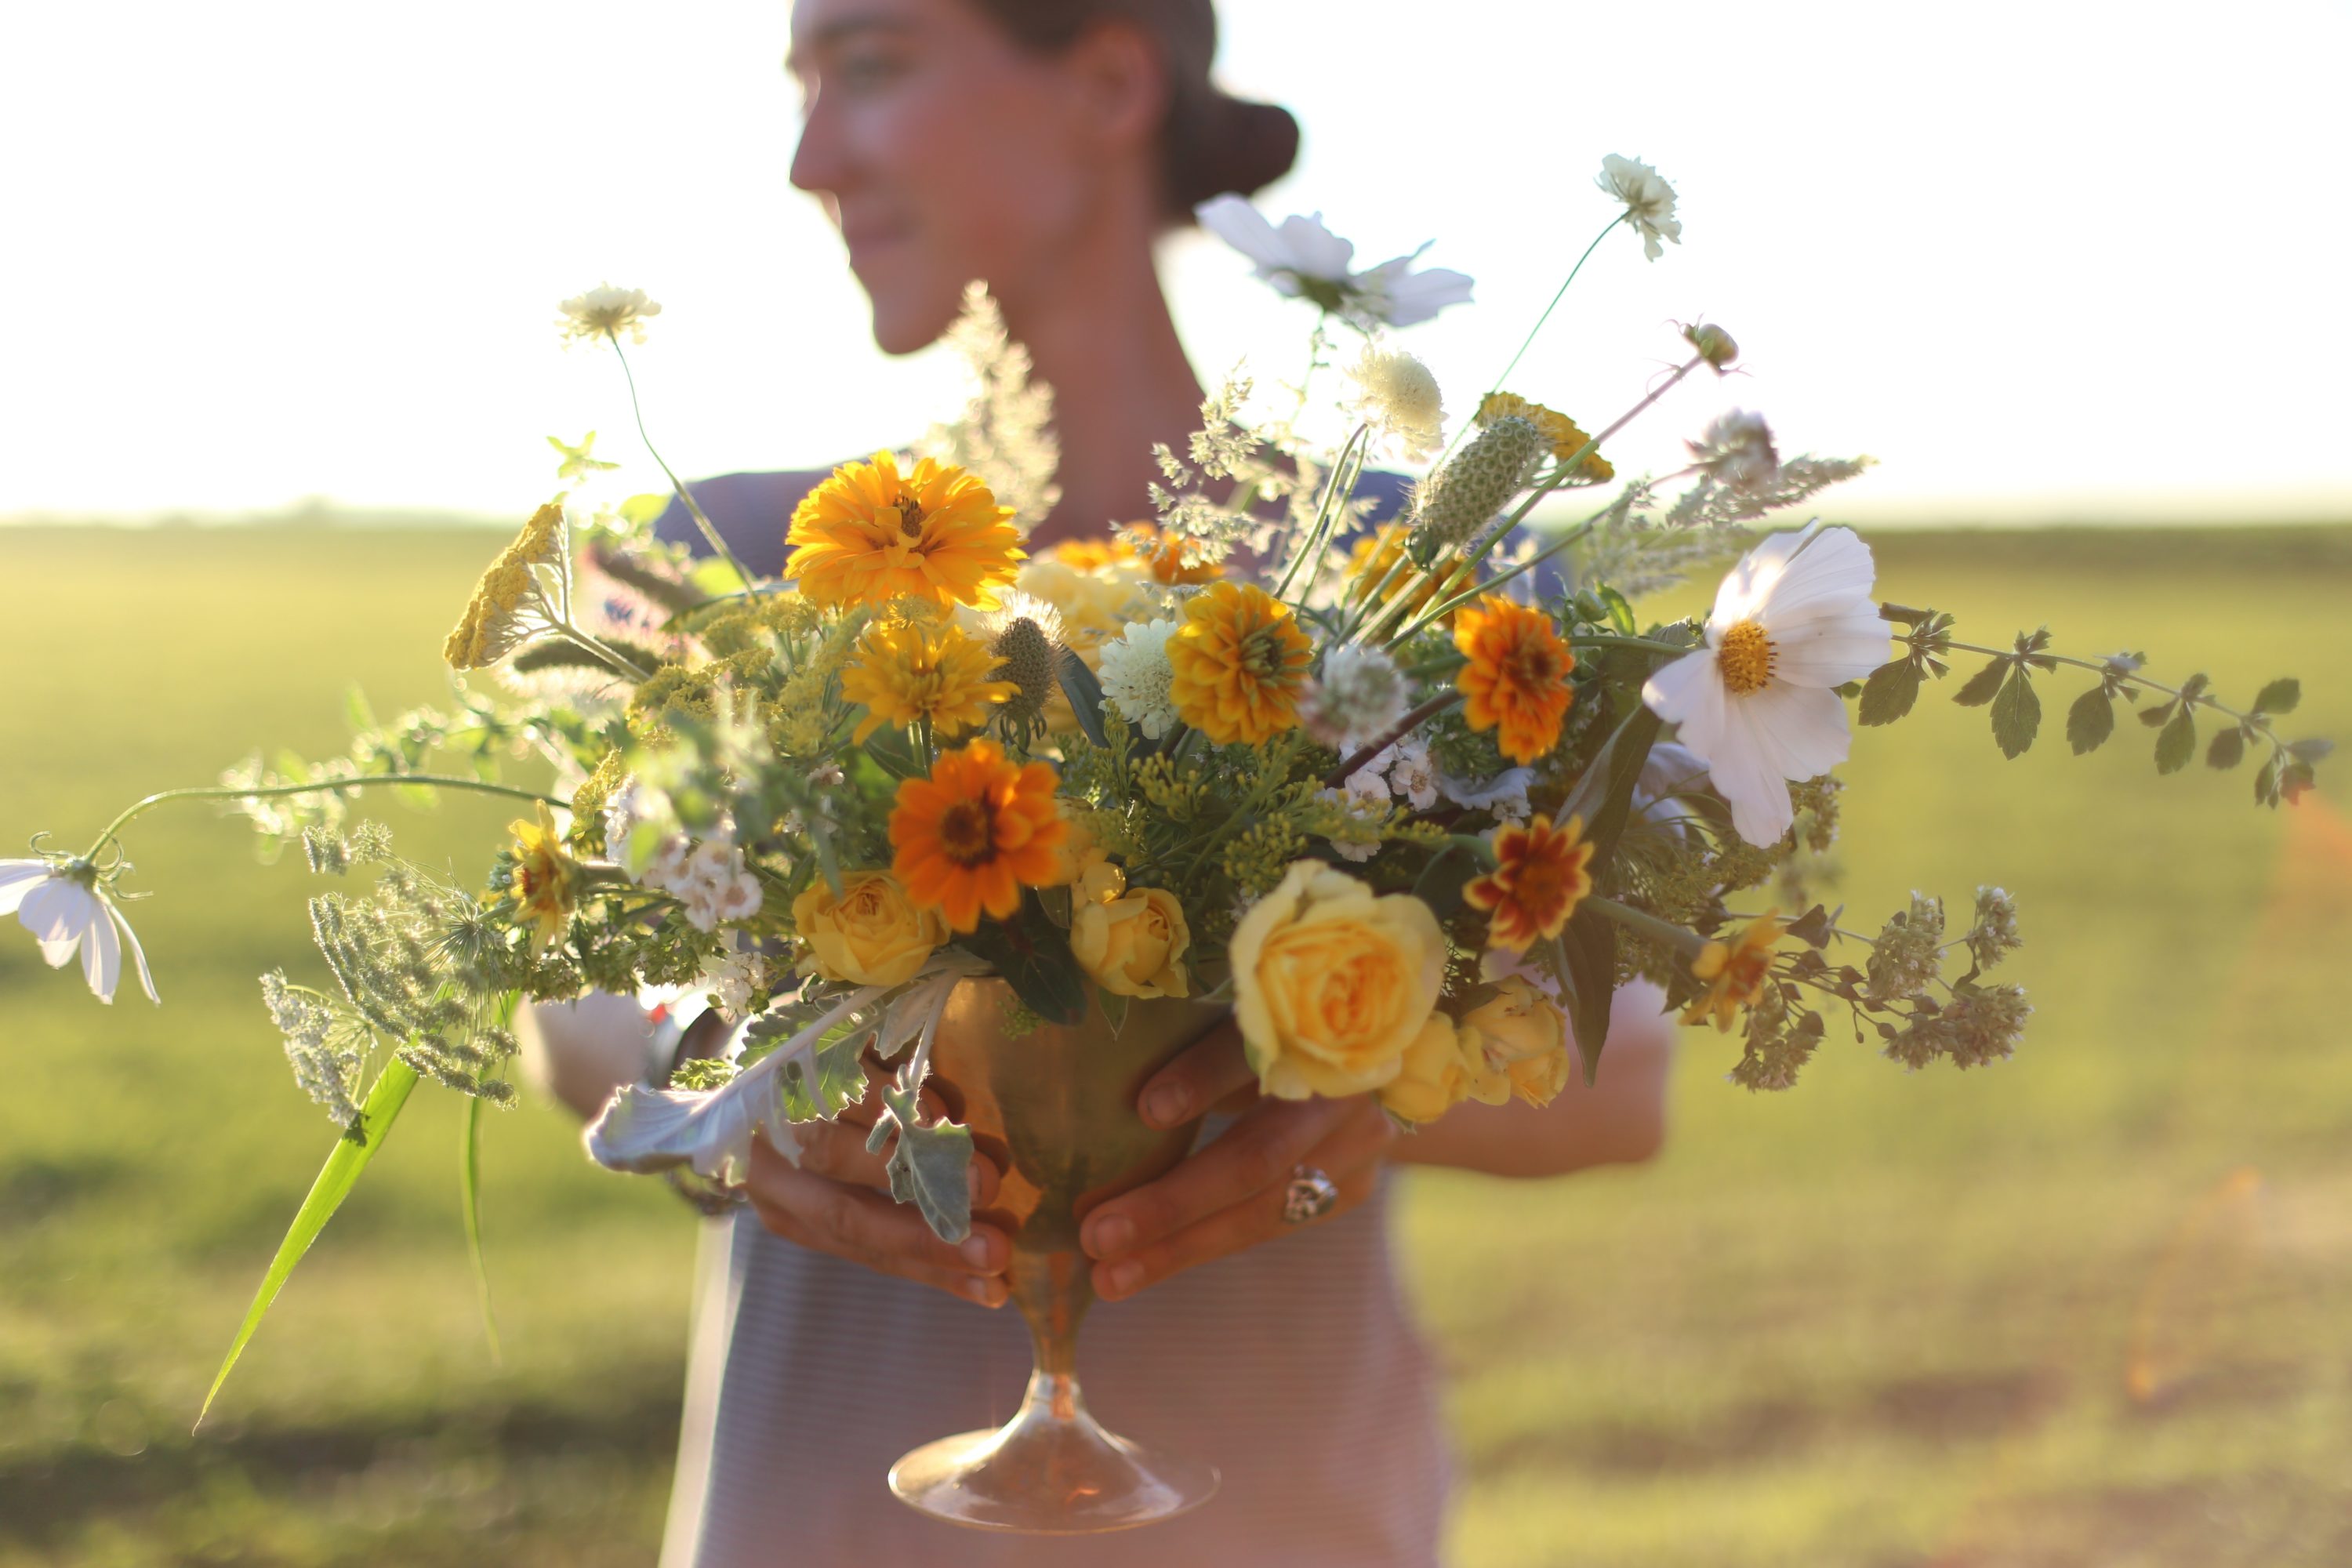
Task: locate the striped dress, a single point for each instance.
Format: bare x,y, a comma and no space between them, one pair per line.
1291,1367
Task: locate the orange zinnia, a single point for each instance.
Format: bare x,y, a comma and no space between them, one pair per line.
971,836
1517,677
869,534
1170,556
1239,661
1734,971
1539,878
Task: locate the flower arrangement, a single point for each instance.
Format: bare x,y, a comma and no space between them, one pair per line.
1412,798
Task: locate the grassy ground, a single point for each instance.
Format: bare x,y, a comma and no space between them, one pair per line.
2085,1308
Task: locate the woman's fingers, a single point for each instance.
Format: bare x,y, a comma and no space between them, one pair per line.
837,1151
1351,1156
866,1227
1254,1154
1205,1072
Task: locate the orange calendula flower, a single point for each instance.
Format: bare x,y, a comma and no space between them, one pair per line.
1239,661
904,673
1539,878
1094,554
869,534
1736,972
974,834
545,878
1517,677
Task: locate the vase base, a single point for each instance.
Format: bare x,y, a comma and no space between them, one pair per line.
1049,1476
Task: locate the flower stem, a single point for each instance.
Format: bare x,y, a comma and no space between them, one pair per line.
1528,342
1610,639
1396,732
1644,924
233,791
693,509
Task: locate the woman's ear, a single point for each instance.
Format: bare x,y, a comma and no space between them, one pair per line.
1120,84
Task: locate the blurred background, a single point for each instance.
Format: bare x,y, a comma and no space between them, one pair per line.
2071,273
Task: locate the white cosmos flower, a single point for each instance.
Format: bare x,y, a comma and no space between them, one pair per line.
1649,201
1794,619
1306,260
60,901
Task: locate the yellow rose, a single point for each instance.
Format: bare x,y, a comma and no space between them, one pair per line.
1435,1074
1093,604
1332,984
1133,946
1522,1047
871,934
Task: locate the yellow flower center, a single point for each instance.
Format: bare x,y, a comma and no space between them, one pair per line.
1744,659
967,833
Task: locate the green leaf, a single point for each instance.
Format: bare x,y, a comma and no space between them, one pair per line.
1114,1009
2156,717
2266,779
930,1166
840,1079
2177,743
469,1194
642,510
1621,610
1441,881
2089,720
350,1155
1590,940
1984,684
1035,959
1890,691
2016,714
1628,750
894,753
2312,751
1085,692
2227,750
2280,696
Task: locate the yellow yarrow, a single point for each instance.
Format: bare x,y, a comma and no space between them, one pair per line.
1561,434
1239,661
499,615
870,533
905,673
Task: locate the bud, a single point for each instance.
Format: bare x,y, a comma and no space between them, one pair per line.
1714,345
1460,498
1028,654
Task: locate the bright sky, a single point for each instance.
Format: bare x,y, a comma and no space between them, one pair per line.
2042,260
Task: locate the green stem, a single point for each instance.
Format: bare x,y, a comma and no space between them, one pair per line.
1336,489
232,792
2100,667
622,664
693,509
1438,612
1528,342
1649,925
1610,639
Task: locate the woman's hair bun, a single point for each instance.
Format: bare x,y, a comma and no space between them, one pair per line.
1217,146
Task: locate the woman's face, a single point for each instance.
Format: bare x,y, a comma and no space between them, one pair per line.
944,152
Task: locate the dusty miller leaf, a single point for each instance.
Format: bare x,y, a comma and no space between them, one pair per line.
930,1166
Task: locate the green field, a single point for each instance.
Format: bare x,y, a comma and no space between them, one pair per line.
2093,1306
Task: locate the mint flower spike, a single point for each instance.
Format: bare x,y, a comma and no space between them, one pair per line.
63,902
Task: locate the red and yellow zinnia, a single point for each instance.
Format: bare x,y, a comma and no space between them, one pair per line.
972,836
1539,878
870,534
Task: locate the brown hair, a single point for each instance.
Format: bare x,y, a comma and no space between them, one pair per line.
1211,143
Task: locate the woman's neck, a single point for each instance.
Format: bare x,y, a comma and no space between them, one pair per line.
1101,337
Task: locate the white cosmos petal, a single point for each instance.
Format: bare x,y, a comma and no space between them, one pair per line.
1689,692
18,878
1233,220
101,959
1830,650
1748,778
1314,249
1416,297
138,955
57,912
1828,576
1750,583
1800,729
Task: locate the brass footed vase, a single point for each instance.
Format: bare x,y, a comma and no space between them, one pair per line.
1054,1108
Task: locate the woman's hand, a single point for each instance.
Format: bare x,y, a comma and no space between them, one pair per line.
1228,1196
838,1201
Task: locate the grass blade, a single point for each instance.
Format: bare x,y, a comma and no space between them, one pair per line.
469,1173
351,1153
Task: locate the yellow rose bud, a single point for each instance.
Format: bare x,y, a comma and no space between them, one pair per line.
1435,1074
1522,1047
871,934
1099,881
1332,984
1133,946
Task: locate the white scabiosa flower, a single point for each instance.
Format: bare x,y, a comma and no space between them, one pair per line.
1794,620
1306,261
1649,201
1136,677
1398,397
606,312
1358,698
61,902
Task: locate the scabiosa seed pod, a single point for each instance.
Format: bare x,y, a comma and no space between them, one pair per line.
1028,654
1460,498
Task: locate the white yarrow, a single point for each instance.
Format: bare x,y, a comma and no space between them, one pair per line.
1795,619
61,903
1306,260
1136,677
1649,201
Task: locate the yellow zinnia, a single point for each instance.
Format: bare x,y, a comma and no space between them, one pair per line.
905,673
870,533
1239,661
1561,434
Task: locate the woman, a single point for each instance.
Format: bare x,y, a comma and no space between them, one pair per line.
1044,146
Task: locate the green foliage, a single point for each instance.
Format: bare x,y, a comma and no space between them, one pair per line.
1035,959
